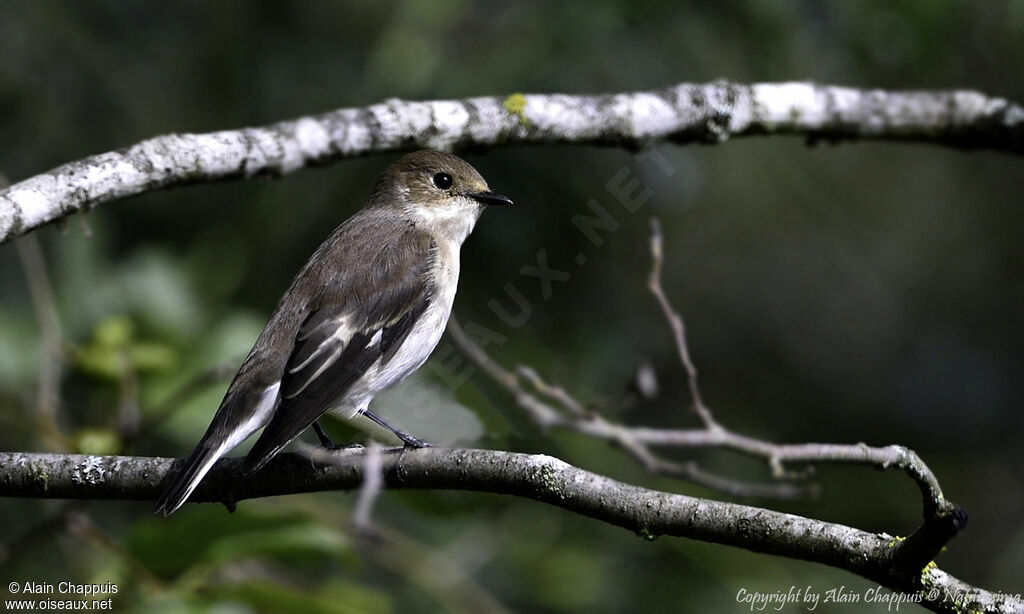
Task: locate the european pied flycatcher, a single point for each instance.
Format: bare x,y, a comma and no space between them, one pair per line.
365,311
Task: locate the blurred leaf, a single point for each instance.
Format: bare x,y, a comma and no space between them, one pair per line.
149,286
97,441
101,362
572,578
178,602
160,294
152,356
103,356
207,534
227,342
114,332
113,349
336,598
294,542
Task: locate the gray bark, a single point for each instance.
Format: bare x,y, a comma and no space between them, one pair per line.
705,113
890,561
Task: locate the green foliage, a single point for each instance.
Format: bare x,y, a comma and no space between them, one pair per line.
114,352
98,441
206,536
208,559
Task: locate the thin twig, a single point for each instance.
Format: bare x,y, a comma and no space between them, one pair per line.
675,321
555,393
593,425
373,482
51,355
128,418
777,456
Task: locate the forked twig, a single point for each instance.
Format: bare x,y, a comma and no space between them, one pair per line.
550,406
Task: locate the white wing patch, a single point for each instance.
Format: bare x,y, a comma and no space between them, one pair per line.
323,367
338,323
338,339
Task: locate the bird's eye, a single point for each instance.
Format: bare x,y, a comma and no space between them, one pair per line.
442,181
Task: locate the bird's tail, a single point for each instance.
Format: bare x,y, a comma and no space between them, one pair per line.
241,413
188,477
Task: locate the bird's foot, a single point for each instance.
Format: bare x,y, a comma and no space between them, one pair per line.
329,444
334,447
407,439
412,442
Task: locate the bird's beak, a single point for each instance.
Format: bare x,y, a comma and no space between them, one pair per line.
490,198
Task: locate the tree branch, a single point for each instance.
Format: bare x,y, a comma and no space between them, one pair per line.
714,434
683,113
943,518
649,513
594,425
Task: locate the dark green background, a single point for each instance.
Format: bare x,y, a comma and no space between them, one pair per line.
863,292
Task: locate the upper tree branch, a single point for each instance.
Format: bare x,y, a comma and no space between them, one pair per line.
707,113
649,513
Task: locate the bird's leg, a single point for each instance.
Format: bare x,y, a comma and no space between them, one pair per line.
325,439
409,440
327,442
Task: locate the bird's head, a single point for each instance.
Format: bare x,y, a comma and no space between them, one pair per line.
441,190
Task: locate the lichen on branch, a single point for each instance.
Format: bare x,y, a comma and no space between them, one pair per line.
648,513
706,113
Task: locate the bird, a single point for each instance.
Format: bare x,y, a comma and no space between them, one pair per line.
363,313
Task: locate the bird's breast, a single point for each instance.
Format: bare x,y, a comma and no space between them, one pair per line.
428,329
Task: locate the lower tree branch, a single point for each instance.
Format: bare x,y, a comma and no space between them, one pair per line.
649,513
687,112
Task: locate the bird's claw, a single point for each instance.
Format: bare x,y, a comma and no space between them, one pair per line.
334,447
412,442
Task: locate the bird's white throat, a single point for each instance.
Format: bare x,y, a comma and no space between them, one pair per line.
452,221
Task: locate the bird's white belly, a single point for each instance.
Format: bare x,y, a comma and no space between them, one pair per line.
415,349
422,340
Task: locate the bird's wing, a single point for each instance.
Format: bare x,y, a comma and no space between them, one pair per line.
365,315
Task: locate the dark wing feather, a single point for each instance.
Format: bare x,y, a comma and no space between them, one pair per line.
325,335
364,318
